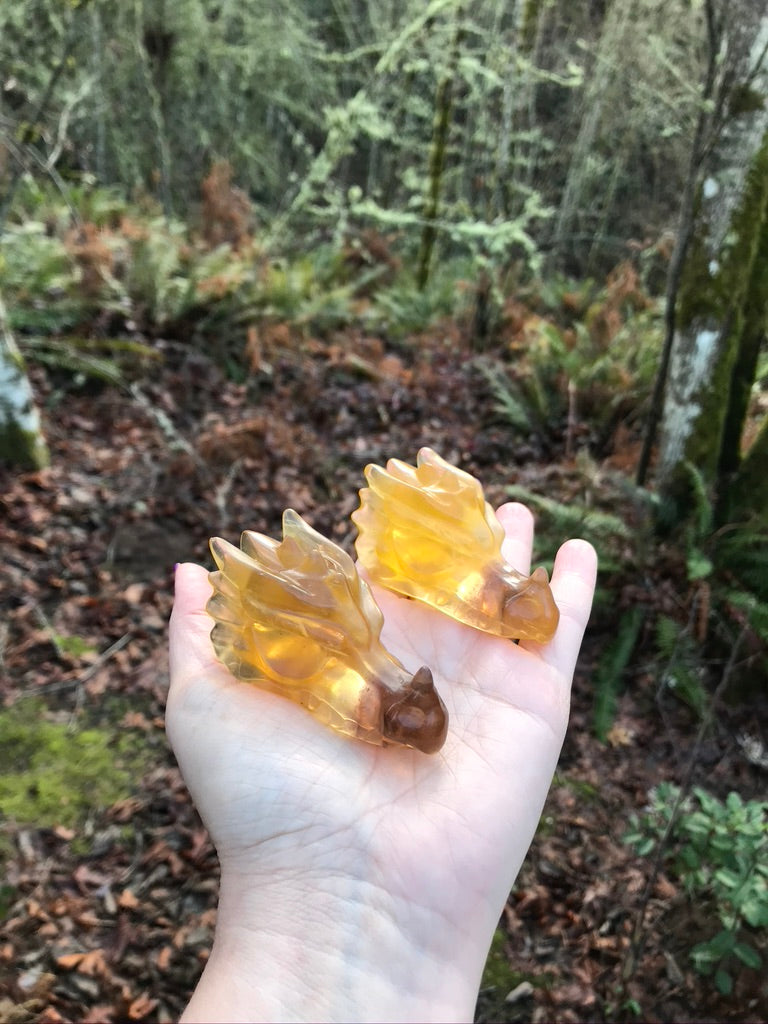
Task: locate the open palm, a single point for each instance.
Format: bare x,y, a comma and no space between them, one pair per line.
438,839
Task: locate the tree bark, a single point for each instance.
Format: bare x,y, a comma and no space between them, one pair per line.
711,340
712,302
437,154
750,341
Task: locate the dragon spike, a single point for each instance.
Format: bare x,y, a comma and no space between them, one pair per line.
295,618
427,532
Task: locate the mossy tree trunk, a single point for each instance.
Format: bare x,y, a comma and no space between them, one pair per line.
21,438
719,305
719,301
437,155
751,339
708,123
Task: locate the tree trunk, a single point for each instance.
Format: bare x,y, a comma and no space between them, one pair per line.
437,154
712,329
712,307
21,437
707,122
618,20
751,339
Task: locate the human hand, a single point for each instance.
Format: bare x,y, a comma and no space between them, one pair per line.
362,882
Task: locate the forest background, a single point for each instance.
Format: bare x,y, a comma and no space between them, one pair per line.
246,249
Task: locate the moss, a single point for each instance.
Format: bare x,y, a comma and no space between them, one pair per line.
23,448
52,774
498,974
586,791
744,100
749,346
499,979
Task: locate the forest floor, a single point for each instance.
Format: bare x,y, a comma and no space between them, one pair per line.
108,904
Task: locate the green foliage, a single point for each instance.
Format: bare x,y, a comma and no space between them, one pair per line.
605,530
153,275
310,101
402,308
609,676
306,291
498,973
499,979
719,852
556,367
681,663
508,404
37,277
105,359
742,551
71,646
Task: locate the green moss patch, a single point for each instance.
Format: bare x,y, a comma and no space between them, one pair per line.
54,774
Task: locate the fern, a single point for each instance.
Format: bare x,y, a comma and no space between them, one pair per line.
574,519
103,359
611,669
507,405
756,610
743,553
702,512
681,673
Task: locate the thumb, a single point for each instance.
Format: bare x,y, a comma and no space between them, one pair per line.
190,648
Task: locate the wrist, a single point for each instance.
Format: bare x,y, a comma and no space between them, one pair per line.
331,948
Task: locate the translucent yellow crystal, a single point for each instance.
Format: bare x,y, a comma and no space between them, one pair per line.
294,617
428,532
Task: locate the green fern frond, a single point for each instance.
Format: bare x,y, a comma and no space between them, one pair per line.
507,404
609,677
702,512
574,519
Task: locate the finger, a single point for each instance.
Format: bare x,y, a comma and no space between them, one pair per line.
190,646
573,585
517,521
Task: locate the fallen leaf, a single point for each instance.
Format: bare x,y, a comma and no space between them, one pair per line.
619,736
69,961
127,900
163,959
140,1007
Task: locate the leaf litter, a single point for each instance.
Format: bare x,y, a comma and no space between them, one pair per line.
107,911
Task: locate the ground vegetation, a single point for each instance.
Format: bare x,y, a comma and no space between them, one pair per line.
234,274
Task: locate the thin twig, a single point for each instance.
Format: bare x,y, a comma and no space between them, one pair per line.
91,671
222,494
176,441
56,71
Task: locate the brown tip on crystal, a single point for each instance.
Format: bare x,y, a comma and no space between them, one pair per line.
422,680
